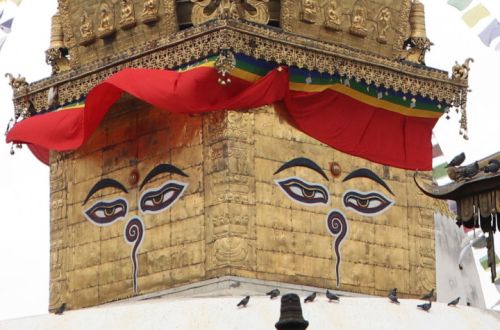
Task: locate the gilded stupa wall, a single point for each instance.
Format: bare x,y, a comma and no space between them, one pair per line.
233,217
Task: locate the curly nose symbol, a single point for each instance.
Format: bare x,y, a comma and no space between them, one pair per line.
336,224
134,235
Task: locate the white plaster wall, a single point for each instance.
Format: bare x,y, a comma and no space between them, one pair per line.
262,313
451,281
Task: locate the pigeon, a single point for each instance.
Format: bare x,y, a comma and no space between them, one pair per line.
60,310
428,296
454,302
331,296
492,167
457,160
244,302
393,296
273,293
310,298
426,306
469,171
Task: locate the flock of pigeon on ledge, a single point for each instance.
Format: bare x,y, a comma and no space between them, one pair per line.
393,297
273,294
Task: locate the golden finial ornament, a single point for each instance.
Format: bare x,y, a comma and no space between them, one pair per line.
56,55
418,43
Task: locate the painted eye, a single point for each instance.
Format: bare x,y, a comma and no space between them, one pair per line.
158,200
370,204
105,213
303,192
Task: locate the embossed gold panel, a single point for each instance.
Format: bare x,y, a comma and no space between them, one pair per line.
376,26
234,218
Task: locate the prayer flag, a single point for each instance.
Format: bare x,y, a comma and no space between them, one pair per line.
6,26
491,32
16,2
459,4
474,15
439,172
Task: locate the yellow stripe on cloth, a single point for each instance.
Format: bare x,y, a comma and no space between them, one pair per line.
73,106
366,99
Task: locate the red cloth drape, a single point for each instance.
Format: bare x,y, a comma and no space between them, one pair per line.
336,119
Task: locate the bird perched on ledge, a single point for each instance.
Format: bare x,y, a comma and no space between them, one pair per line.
428,296
393,296
426,307
457,160
332,296
454,302
244,302
310,298
492,167
464,172
273,293
60,310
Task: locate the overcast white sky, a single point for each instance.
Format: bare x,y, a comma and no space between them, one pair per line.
24,182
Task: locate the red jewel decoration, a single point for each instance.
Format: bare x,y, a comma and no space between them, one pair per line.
335,169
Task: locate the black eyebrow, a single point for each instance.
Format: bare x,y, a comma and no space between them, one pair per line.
303,162
366,173
104,183
162,168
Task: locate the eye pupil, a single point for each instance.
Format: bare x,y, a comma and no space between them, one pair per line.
109,211
363,202
157,199
308,193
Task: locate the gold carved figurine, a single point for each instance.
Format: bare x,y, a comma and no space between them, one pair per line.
383,25
310,11
261,14
358,20
461,71
106,26
150,11
333,19
127,19
19,84
255,11
86,30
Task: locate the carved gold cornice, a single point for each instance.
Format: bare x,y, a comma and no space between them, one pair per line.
257,41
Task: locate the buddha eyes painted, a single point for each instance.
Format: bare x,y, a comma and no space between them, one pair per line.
365,203
152,201
304,192
104,213
160,199
369,204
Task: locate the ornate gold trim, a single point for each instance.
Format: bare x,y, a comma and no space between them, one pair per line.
259,42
